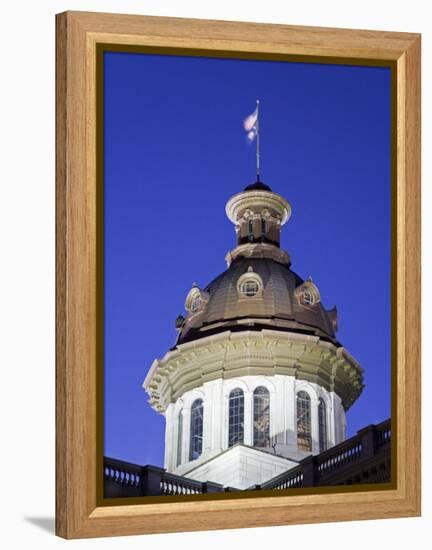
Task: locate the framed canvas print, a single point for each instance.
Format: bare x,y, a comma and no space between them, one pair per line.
238,274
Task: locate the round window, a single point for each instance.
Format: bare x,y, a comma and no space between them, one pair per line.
250,288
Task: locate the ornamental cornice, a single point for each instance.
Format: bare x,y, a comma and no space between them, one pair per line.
267,352
258,250
257,199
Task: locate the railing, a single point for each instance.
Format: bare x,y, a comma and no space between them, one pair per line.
123,479
383,434
339,456
287,480
367,453
171,484
335,465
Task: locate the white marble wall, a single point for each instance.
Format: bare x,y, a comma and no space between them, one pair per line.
283,434
241,467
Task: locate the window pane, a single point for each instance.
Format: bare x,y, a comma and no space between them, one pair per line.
236,417
249,288
304,439
196,302
250,230
261,402
196,429
322,422
308,298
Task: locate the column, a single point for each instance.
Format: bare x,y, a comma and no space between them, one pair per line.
277,411
207,420
168,438
217,415
331,416
186,434
314,425
248,418
290,412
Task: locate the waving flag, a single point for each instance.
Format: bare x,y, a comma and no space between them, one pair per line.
250,124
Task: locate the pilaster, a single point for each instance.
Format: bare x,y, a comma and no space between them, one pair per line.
169,437
248,418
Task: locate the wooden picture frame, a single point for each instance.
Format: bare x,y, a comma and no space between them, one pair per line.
78,226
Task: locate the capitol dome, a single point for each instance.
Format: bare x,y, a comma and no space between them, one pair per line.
256,380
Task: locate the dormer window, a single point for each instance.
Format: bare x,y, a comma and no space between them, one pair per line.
250,285
307,294
196,299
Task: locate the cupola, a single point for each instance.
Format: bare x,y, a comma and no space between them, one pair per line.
258,214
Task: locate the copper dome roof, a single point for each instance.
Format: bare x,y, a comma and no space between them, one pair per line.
277,306
277,299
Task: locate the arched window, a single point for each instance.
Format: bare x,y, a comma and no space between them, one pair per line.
179,438
196,429
304,439
322,425
261,414
250,230
235,417
263,226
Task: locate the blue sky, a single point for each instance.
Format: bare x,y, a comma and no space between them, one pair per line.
175,151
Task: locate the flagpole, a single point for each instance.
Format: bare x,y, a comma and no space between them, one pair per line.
257,142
